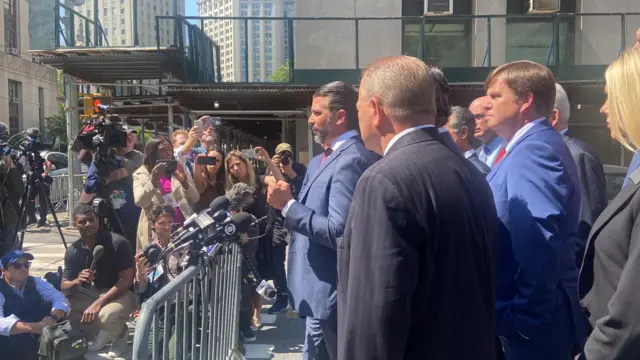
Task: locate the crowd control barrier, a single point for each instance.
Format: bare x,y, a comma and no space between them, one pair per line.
196,315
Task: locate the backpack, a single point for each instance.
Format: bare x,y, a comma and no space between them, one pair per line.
62,341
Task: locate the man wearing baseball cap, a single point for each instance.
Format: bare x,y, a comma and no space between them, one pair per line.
27,305
294,173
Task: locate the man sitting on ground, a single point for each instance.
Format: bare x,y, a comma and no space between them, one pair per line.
27,305
100,298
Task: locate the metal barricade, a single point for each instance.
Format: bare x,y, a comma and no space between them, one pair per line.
59,192
196,315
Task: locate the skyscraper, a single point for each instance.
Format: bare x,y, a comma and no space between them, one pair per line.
267,40
119,19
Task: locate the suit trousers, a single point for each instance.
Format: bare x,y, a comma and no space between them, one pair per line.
321,339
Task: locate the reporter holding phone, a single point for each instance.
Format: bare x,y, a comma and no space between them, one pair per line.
209,176
161,180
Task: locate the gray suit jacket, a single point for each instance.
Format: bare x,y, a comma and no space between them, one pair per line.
317,220
592,189
479,164
608,283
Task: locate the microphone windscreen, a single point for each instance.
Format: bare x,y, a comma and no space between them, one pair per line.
240,195
219,203
98,251
242,222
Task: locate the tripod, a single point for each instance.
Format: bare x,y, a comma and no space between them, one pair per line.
102,202
35,180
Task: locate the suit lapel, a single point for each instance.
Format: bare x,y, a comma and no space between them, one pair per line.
326,163
542,126
616,204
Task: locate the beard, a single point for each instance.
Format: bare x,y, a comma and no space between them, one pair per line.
209,139
320,137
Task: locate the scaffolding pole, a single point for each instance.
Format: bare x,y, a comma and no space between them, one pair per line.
73,127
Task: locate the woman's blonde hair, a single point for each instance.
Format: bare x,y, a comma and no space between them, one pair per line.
231,180
623,94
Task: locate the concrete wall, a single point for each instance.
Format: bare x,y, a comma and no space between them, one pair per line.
481,32
598,37
330,44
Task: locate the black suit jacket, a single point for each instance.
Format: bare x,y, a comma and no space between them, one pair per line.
415,268
608,283
479,164
593,189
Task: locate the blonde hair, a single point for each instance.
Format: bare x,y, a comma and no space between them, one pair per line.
623,94
178,132
403,85
526,77
231,180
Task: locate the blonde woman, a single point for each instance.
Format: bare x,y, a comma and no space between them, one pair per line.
608,284
152,186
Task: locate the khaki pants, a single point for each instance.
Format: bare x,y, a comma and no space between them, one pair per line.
112,318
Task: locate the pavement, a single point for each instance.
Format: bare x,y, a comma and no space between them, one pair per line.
281,337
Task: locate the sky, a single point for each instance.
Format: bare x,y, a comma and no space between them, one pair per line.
191,7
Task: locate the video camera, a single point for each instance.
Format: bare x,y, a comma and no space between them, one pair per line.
99,135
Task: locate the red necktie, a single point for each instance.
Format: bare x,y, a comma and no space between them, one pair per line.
327,152
501,154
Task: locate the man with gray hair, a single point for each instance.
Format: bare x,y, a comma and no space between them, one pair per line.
461,126
592,181
403,264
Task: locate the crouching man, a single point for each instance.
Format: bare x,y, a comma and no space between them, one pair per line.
27,305
100,298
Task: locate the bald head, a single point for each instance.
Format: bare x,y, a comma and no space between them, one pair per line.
481,131
402,85
637,39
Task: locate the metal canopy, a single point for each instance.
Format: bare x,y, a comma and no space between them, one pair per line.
244,97
111,64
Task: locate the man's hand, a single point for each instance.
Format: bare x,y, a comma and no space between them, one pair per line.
47,321
91,313
279,194
36,328
270,180
195,134
263,155
85,276
181,176
276,160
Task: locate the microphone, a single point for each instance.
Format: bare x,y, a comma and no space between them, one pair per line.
98,251
238,224
220,203
240,196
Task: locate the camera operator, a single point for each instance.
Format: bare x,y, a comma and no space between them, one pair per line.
100,298
27,305
118,186
132,158
41,190
11,188
294,173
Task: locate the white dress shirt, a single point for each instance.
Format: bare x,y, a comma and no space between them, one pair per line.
405,132
48,293
334,146
487,153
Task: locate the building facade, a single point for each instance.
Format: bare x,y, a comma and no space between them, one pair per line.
121,18
267,40
27,90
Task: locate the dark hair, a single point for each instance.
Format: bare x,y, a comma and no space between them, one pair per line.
83,209
443,90
161,210
342,96
221,175
151,151
463,117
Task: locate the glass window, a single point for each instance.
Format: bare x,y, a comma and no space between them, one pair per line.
41,108
14,106
533,40
445,44
10,25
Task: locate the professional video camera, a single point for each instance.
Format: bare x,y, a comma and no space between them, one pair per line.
100,135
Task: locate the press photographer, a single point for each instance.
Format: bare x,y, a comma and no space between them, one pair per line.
41,189
11,188
109,176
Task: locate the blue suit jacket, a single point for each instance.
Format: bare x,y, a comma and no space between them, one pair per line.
536,189
317,220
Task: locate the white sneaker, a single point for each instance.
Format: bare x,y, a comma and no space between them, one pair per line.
99,342
120,347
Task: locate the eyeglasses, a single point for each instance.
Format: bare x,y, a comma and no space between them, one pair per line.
19,266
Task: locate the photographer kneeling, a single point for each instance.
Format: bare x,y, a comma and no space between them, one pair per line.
99,290
27,305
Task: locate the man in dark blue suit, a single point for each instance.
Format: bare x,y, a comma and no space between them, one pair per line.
461,126
317,219
536,190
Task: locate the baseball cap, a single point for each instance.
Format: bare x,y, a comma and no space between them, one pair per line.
129,129
284,147
14,255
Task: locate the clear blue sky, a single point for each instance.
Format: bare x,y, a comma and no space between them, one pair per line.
191,7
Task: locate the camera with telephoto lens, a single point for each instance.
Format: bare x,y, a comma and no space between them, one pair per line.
285,160
152,253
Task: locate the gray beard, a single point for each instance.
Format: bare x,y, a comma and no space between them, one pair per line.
209,140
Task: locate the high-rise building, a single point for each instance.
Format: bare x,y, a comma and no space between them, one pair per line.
27,90
120,18
252,52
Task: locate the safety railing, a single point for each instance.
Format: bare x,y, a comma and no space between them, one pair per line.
75,30
311,49
196,315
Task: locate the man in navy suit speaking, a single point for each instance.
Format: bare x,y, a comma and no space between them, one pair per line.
317,219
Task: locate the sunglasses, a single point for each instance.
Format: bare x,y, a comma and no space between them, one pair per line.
159,210
19,266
